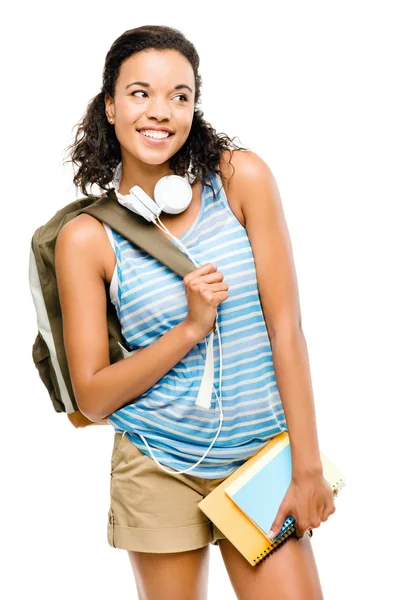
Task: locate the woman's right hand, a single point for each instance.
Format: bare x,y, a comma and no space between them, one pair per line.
205,290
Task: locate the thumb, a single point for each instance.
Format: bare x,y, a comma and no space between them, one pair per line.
278,522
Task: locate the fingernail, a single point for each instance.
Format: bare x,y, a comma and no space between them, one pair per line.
270,534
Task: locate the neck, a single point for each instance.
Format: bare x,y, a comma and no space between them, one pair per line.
144,175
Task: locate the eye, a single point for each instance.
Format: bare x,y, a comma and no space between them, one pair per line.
185,98
138,92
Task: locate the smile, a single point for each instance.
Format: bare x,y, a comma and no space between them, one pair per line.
155,137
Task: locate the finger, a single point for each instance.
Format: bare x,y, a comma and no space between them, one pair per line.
278,522
206,268
327,513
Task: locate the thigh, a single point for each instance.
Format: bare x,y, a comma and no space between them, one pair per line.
290,573
172,576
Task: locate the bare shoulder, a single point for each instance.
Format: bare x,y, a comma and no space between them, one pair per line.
83,226
241,167
242,173
84,236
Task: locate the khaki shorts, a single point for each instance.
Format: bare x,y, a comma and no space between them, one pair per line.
155,511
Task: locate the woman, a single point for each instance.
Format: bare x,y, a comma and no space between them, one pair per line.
246,279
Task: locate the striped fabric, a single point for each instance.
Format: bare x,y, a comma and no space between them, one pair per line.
149,300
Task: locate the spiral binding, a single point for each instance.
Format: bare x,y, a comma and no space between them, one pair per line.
274,545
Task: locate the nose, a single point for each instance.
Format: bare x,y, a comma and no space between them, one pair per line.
158,109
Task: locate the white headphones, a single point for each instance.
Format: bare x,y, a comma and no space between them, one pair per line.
172,195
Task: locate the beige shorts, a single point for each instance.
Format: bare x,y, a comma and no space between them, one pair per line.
155,511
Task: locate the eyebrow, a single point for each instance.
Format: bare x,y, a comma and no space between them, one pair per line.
144,84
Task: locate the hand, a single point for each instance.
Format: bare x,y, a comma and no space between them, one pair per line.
205,290
309,499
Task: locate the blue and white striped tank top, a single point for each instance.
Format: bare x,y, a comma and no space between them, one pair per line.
150,299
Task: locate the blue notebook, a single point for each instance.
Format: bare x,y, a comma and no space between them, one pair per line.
259,491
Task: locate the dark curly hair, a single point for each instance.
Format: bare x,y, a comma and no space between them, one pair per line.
96,150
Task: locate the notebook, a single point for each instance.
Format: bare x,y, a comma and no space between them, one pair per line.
245,504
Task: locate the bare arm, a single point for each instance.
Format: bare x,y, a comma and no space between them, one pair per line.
254,186
101,388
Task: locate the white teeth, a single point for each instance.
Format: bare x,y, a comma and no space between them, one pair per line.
155,134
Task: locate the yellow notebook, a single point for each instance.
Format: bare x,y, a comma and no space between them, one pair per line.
248,488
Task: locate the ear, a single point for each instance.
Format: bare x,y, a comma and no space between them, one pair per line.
109,107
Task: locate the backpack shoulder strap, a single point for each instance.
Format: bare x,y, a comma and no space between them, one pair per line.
140,232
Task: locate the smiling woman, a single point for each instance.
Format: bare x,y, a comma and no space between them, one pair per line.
145,124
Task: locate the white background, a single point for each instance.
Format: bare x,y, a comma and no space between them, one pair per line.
312,87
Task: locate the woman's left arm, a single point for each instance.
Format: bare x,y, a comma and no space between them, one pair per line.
309,498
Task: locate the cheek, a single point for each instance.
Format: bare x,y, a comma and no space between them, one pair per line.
185,123
127,119
130,114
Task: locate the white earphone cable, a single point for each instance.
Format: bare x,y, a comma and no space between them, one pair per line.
221,416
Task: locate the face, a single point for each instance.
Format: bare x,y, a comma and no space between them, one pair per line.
153,103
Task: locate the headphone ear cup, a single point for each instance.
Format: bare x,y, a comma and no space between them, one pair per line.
173,194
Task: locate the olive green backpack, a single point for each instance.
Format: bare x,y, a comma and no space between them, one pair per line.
48,351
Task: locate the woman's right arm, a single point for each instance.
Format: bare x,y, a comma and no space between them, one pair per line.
101,388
